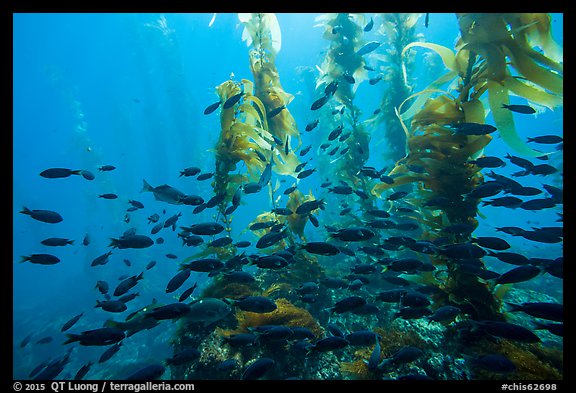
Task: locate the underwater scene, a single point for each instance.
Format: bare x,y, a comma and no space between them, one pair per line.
241,196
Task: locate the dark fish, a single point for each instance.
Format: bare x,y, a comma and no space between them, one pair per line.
205,176
108,196
348,304
404,265
397,195
102,286
183,357
538,204
361,338
86,240
488,162
427,20
204,265
486,189
111,305
270,239
309,206
511,202
220,242
555,328
129,297
282,211
404,355
521,162
258,369
378,213
331,88
519,274
348,78
333,151
150,265
310,126
106,168
97,337
211,108
555,192
191,171
71,322
132,241
472,128
110,352
55,173
367,48
493,243
177,281
56,242
353,234
336,132
230,102
510,257
341,190
507,330
147,373
546,139
543,169
413,312
53,368
306,173
81,373
495,363
45,340
48,216
330,344
445,314
257,304
275,111
373,81
319,103
40,259
187,293
227,365
525,191
164,193
243,244
290,190
169,311
524,109
199,209
127,284
156,228
215,200
321,248
87,175
207,228
369,25
271,262
153,218
252,188
550,311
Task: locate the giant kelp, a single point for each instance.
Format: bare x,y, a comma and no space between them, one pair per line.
490,47
396,30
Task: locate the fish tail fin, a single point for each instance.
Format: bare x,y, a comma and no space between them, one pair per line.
140,276
24,259
504,106
76,172
114,242
25,210
71,242
146,187
71,338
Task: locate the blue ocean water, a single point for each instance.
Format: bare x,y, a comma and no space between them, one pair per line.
129,90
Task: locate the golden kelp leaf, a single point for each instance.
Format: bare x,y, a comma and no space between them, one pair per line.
474,111
498,95
533,93
423,95
535,73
